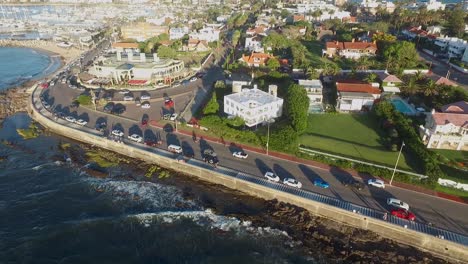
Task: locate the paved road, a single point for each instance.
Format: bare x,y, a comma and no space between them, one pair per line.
440,69
442,213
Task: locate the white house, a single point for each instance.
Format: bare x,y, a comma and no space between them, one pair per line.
355,95
465,56
314,89
254,106
447,129
208,34
434,5
455,47
239,81
254,43
178,33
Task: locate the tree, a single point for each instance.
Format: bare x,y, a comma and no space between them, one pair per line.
411,86
273,63
312,73
345,37
166,52
456,22
235,37
212,107
296,107
403,55
276,41
330,69
370,78
430,88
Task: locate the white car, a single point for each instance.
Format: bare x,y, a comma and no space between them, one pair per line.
397,203
81,122
70,119
145,97
193,79
292,182
128,98
174,117
136,138
45,104
117,132
240,155
271,176
145,105
124,92
376,183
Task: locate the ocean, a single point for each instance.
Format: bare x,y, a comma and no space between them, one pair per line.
18,65
54,212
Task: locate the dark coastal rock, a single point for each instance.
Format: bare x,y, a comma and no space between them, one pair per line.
14,100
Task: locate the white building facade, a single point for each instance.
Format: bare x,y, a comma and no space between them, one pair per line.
455,47
208,34
254,106
314,89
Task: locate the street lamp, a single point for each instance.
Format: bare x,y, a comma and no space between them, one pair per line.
396,164
268,132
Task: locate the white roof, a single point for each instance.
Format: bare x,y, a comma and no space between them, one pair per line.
253,98
310,83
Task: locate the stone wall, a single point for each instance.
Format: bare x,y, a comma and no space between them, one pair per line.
400,234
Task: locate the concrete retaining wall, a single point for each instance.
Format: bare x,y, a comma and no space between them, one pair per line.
437,246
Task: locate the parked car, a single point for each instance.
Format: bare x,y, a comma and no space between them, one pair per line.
101,126
193,79
200,74
136,138
166,116
271,176
397,203
144,122
81,122
137,102
174,148
240,154
402,213
125,91
117,132
352,183
45,104
376,183
128,98
173,117
185,82
292,182
70,119
321,183
109,107
74,104
145,105
145,97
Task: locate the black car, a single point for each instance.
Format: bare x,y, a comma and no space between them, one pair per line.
352,183
109,107
210,156
74,104
101,126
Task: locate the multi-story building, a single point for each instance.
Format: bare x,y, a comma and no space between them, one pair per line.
178,33
454,47
465,56
208,34
447,129
254,106
350,50
254,43
314,89
142,31
356,95
133,68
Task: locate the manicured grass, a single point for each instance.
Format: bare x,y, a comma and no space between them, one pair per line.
452,191
453,162
453,155
352,135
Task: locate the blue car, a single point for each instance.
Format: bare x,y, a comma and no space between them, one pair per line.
185,82
321,183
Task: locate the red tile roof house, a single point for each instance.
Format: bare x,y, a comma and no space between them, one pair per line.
354,95
256,59
125,47
447,129
350,50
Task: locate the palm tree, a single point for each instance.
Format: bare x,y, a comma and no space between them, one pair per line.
312,73
430,88
363,63
330,69
370,78
411,86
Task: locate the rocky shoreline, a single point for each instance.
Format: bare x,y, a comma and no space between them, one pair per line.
14,100
326,240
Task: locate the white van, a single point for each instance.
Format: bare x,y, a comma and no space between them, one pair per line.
174,148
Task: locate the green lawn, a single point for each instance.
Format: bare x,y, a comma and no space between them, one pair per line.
452,163
352,135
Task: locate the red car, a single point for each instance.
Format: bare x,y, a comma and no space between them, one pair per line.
169,103
144,122
402,213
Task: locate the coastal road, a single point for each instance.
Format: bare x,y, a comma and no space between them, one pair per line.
440,69
440,212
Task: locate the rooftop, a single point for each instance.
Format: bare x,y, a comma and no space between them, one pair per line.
253,98
356,86
451,118
460,107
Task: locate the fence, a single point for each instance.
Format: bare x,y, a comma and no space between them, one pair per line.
313,152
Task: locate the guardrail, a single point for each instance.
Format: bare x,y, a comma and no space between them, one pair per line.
310,151
368,212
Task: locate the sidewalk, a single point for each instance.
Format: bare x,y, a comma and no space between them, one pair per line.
323,166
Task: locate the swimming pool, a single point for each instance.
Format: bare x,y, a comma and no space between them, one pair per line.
402,106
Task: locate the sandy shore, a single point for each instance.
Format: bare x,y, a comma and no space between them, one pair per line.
45,46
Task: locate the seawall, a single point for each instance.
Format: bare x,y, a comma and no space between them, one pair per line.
437,246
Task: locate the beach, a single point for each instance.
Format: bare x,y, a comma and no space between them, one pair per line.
48,47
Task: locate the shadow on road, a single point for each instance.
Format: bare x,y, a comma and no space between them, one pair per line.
309,173
282,172
84,116
172,139
233,147
187,149
262,166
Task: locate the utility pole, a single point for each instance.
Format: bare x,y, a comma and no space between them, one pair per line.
396,164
